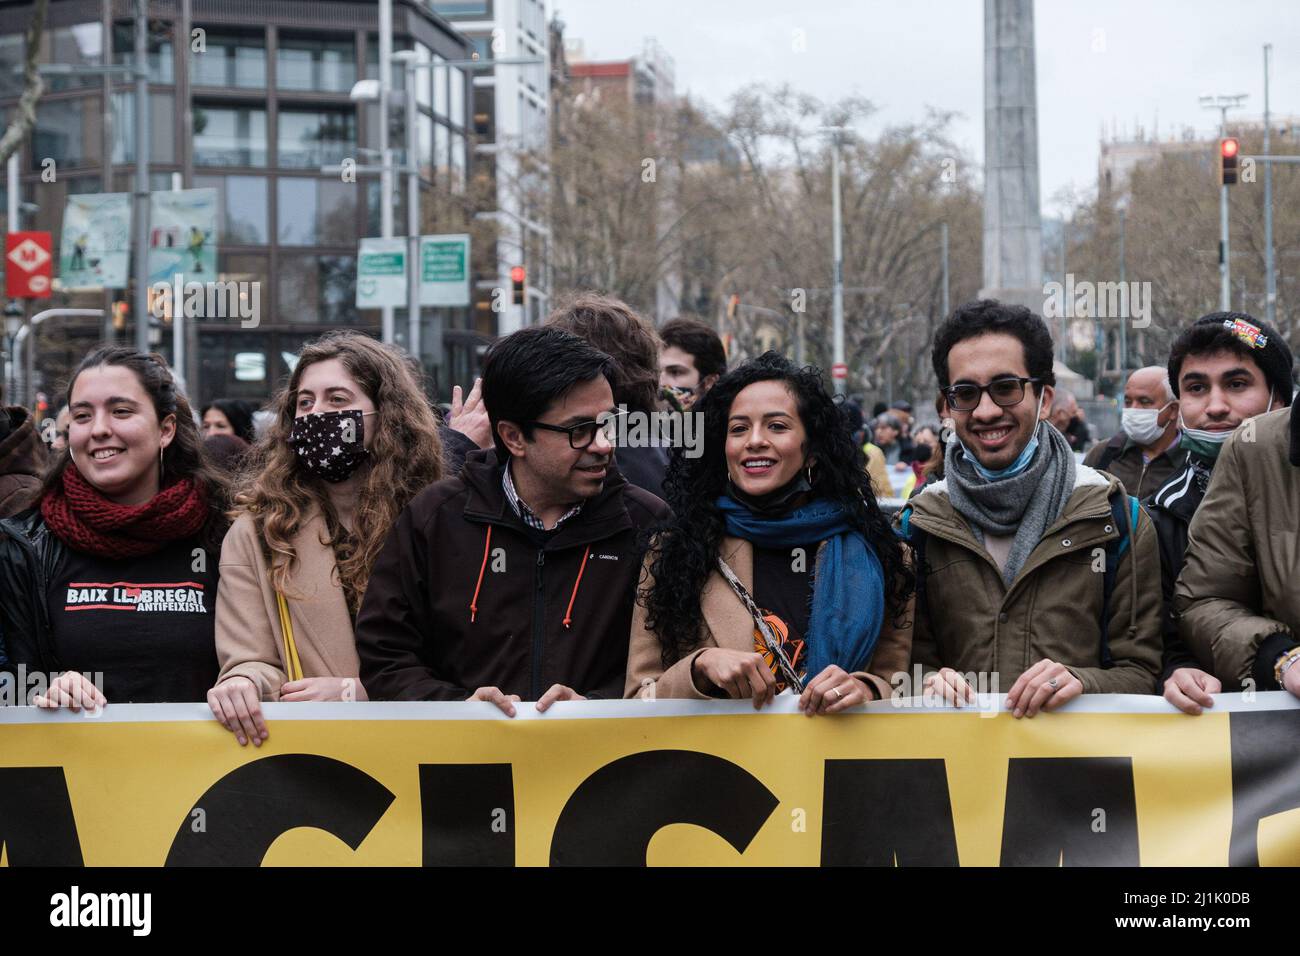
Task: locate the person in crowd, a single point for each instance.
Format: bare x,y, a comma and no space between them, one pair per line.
1146,451
1067,418
230,416
58,439
542,610
130,519
1006,542
926,450
1237,600
886,433
610,326
1226,368
226,452
353,442
690,361
23,460
777,570
873,456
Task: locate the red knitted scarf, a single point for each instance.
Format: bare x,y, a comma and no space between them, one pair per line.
84,519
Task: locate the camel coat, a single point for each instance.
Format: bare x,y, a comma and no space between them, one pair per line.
728,624
249,640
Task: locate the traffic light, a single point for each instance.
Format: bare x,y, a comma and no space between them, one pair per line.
120,310
1228,150
517,277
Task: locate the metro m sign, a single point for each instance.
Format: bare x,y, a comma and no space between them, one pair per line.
28,265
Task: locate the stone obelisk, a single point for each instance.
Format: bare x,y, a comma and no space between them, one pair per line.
1013,237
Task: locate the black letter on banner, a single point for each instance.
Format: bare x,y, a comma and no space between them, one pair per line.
1049,812
457,805
248,808
36,823
614,813
887,813
1265,775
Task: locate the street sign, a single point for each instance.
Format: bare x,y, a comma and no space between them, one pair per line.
29,265
444,270
381,273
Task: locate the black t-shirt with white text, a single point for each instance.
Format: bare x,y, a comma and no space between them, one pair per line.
146,624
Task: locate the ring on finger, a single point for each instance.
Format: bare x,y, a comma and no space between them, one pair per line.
1052,684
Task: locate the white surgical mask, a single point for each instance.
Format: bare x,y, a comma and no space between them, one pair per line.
1219,437
1141,425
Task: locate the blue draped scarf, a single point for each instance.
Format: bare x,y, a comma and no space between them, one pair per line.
848,605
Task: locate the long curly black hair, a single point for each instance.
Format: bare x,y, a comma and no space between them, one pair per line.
683,550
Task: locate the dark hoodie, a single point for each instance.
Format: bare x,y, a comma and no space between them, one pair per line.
465,595
22,460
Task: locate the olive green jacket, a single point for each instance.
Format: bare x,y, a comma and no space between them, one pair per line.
1240,584
968,619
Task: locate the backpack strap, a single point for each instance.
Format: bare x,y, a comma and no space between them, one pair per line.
1124,510
1113,448
916,539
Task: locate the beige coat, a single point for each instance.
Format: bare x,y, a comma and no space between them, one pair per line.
249,640
728,624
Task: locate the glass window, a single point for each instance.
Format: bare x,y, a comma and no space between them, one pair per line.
374,223
422,57
372,61
67,131
162,61
315,63
229,60
229,363
241,208
315,138
440,86
461,8
162,142
457,97
317,289
316,212
124,182
442,154
11,65
457,163
483,47
425,152
229,136
81,45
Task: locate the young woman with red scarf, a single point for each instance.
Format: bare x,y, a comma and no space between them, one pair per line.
110,581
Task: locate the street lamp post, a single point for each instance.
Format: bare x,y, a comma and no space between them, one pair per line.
839,371
1223,102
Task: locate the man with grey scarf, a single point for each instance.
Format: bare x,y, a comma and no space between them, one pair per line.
1013,544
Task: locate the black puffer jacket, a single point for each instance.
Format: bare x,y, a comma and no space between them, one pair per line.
29,559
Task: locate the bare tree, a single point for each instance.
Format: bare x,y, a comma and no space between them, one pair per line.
33,86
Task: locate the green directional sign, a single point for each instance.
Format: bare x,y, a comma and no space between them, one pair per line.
444,270
381,273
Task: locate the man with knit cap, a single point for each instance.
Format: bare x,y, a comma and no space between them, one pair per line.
1224,369
1236,599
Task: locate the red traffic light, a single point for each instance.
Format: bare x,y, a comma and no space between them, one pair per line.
517,274
1228,147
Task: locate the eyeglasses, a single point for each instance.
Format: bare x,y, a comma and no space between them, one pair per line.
583,434
1005,392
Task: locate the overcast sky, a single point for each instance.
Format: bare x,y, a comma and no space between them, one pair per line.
1126,62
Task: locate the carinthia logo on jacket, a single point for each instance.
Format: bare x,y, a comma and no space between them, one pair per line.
179,596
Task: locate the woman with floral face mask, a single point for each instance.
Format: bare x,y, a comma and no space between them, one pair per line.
353,441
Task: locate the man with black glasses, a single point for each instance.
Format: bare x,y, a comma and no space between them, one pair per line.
1034,573
515,580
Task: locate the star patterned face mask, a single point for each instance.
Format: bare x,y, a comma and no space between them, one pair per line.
330,445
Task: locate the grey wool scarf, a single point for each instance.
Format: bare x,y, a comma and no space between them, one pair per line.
1024,504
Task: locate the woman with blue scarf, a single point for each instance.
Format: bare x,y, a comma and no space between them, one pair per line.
778,571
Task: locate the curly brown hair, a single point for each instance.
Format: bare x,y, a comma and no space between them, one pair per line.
610,325
405,456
